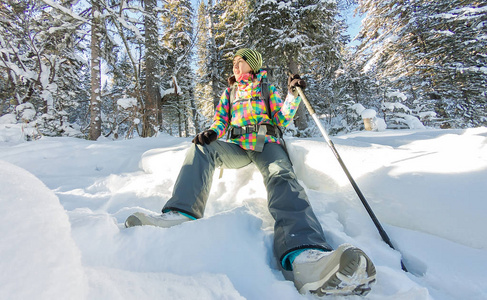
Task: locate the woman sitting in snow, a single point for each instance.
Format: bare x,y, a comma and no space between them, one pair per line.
299,242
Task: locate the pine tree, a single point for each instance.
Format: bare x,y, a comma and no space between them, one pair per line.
178,40
137,27
152,70
123,95
40,64
432,51
125,19
95,98
230,24
204,96
217,61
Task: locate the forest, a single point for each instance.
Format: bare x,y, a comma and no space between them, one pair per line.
128,68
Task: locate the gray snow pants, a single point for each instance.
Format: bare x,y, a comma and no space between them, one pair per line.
296,226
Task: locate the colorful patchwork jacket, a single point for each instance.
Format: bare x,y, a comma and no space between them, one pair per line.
249,109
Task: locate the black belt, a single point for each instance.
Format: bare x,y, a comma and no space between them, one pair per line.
239,131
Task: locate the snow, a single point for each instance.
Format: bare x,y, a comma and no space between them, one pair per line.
427,114
397,94
26,112
443,32
8,119
380,124
359,108
127,103
368,113
64,201
37,246
412,121
65,10
395,105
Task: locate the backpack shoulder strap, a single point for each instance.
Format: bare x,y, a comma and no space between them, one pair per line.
266,96
233,93
233,96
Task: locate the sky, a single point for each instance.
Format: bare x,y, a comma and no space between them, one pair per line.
354,22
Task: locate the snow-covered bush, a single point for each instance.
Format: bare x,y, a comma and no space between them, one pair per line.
124,121
26,112
397,115
370,118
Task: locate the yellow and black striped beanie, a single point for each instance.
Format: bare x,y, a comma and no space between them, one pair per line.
252,57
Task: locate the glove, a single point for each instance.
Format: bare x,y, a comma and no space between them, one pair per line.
293,81
205,137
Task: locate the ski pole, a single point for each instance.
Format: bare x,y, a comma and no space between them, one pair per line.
379,227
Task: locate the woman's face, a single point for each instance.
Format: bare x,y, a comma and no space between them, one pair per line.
240,66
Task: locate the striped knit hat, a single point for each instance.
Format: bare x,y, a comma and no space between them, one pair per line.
252,57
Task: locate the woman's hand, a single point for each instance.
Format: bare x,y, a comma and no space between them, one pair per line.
293,81
205,137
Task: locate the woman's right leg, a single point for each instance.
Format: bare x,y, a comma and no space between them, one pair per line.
193,184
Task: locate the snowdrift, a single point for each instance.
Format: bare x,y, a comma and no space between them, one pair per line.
64,202
39,258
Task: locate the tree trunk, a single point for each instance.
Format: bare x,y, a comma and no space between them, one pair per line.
216,92
180,120
300,119
153,96
187,113
95,102
194,114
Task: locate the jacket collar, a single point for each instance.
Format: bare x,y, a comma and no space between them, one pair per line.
260,75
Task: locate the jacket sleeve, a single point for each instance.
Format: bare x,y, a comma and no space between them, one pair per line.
221,117
283,111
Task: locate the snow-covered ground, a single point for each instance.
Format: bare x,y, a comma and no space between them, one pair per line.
64,200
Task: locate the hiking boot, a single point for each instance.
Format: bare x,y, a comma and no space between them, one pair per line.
166,220
345,271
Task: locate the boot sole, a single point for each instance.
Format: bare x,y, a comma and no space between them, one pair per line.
354,276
